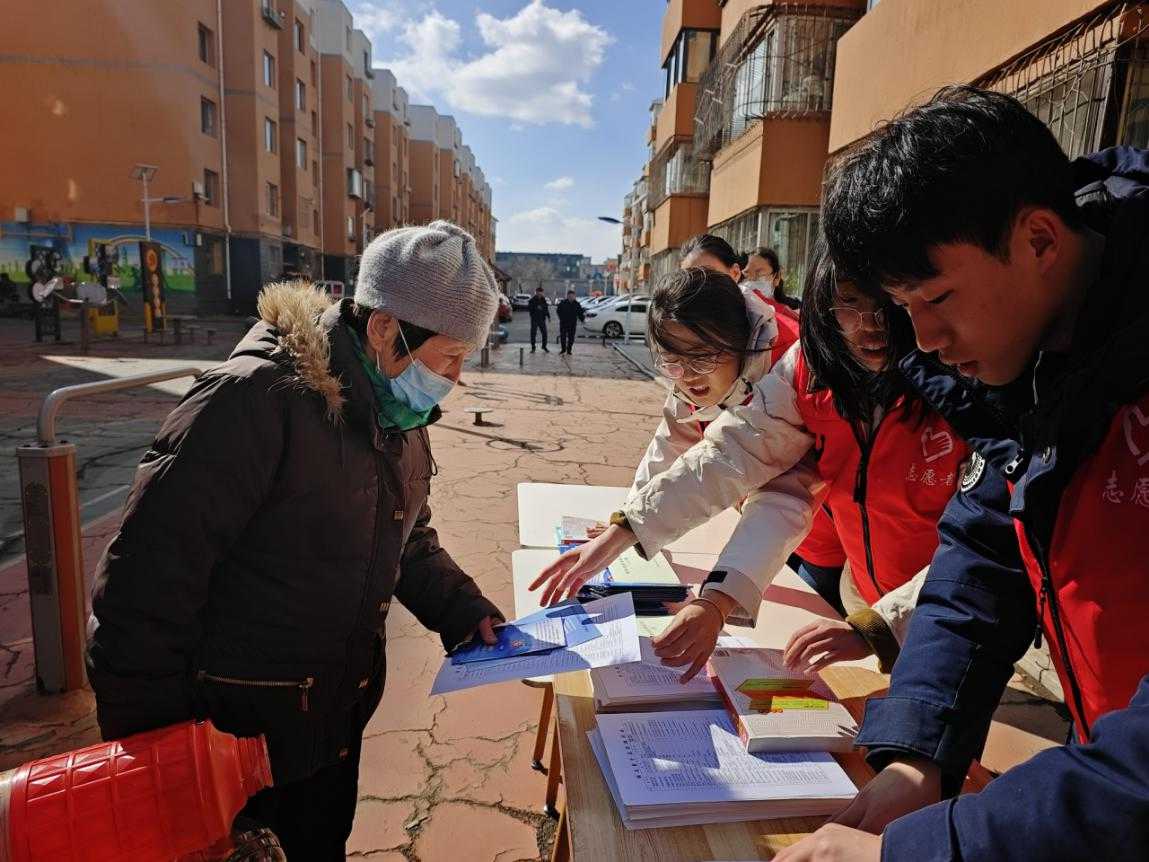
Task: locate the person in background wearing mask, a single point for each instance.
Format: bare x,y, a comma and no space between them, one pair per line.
279,511
820,559
714,253
540,311
763,265
569,312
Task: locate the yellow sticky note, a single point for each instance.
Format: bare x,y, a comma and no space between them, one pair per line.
781,703
763,685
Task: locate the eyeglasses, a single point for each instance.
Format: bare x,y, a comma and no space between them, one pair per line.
675,369
850,320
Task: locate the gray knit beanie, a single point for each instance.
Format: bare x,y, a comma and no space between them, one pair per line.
432,276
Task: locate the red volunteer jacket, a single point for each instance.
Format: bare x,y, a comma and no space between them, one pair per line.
887,492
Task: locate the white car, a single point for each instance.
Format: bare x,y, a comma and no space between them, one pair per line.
611,320
520,301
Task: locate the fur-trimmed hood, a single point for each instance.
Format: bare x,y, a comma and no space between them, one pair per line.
296,313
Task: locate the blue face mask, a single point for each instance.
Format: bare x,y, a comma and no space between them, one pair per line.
418,386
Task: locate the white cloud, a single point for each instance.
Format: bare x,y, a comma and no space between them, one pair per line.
560,184
533,68
547,228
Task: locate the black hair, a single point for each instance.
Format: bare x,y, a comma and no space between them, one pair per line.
416,336
538,289
856,390
956,169
716,247
771,257
707,303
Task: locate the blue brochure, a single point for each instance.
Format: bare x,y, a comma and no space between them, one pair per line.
514,639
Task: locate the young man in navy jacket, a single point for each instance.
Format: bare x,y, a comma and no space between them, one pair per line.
1027,279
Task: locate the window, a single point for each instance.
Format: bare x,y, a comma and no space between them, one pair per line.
690,55
350,136
314,74
394,208
301,154
351,227
270,135
315,220
272,199
211,188
300,95
1135,120
350,90
268,70
206,45
300,40
354,183
347,37
315,123
207,123
791,233
315,171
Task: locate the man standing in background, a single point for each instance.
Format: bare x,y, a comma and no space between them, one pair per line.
540,312
569,312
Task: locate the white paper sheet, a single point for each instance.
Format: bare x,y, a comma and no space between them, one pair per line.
618,644
683,758
650,678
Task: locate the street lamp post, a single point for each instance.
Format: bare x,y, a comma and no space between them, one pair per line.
145,174
626,325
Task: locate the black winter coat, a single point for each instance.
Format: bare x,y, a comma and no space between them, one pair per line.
268,529
570,312
539,308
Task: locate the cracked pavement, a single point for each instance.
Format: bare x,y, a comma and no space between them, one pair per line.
435,771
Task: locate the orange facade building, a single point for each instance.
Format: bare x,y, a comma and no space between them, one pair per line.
258,121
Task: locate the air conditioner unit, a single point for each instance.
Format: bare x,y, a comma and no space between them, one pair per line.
197,188
21,215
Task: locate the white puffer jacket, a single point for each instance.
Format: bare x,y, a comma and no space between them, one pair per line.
750,452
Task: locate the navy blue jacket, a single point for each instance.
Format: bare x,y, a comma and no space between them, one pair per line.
976,614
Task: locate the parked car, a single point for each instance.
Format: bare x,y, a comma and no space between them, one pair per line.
610,320
521,301
505,310
335,288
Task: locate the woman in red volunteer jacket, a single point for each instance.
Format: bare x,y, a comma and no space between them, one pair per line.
884,462
819,560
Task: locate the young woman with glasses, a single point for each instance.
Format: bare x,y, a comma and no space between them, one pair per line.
884,463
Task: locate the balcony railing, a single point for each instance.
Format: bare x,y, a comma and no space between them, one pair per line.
677,172
271,15
779,61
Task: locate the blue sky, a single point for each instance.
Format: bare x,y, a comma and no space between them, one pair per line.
553,97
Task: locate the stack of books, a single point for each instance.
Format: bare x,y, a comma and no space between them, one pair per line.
689,768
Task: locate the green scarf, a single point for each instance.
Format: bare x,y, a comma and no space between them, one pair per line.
390,412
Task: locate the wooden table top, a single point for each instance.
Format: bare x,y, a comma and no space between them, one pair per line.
597,833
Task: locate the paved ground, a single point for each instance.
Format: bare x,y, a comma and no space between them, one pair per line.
435,771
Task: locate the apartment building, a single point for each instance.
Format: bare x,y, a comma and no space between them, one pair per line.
299,148
740,138
424,163
392,151
342,127
66,176
1081,66
240,136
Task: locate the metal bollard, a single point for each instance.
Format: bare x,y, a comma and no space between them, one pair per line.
485,357
51,510
55,571
520,357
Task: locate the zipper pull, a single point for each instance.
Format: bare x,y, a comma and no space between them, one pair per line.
1040,618
304,701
